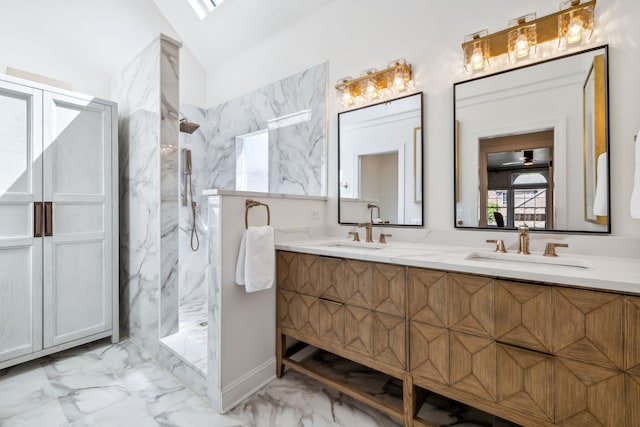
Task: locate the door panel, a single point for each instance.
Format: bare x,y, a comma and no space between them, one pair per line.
77,257
20,252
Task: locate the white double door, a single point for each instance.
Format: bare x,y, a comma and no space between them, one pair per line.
55,227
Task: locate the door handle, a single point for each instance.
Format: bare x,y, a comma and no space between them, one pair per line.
48,219
37,219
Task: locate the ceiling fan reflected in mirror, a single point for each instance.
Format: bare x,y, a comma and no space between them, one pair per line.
526,160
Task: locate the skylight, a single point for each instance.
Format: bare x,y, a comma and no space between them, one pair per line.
204,7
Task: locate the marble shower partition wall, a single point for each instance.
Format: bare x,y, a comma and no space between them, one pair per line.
293,110
147,101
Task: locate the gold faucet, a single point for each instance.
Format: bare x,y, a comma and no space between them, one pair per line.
523,240
368,231
550,250
371,206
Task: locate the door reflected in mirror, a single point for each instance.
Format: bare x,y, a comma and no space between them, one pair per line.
529,140
380,163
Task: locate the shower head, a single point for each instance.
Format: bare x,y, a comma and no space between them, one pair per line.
187,126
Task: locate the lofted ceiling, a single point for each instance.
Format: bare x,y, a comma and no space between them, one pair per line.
234,26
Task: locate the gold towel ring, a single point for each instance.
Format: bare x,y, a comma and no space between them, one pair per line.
249,203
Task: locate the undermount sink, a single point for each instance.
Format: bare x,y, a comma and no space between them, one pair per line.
528,260
352,245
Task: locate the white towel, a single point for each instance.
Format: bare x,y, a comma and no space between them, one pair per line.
256,266
635,193
600,199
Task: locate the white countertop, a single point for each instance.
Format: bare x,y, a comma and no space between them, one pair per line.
605,273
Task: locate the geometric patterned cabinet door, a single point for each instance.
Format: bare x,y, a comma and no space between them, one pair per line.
473,365
588,395
523,315
525,381
308,278
471,305
429,356
331,279
389,289
588,327
632,336
358,330
389,343
358,283
287,274
633,400
331,322
284,308
428,296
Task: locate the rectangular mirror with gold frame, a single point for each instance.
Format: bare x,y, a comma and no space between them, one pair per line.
528,140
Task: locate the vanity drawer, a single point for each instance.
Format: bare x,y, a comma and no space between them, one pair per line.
389,287
427,300
588,327
471,305
357,289
287,270
473,365
589,395
524,315
298,312
308,274
429,352
632,335
331,279
525,381
358,330
331,322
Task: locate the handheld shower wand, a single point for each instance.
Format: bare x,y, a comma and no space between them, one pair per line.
195,240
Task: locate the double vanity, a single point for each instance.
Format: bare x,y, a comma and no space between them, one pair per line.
538,340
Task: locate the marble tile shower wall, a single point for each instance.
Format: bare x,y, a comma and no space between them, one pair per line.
147,94
297,154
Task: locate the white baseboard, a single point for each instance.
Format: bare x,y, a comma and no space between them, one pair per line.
247,384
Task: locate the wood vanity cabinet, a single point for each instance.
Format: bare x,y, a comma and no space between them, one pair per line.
537,354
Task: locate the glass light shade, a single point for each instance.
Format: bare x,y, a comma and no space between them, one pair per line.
398,78
373,87
476,51
347,93
522,40
575,26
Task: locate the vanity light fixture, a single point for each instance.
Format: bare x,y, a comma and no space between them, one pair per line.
522,39
571,25
374,85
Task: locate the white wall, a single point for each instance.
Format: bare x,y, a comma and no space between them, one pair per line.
86,42
354,35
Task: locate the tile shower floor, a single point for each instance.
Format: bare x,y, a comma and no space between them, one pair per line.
190,342
119,385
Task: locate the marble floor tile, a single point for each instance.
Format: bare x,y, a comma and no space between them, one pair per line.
120,385
23,388
156,387
194,412
128,412
49,414
83,384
